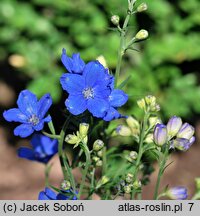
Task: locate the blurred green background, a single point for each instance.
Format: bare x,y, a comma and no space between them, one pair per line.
33,33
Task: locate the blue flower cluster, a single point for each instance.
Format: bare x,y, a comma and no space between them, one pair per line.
31,113
49,194
90,87
43,149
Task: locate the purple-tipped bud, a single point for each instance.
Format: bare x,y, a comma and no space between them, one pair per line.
173,126
186,131
160,134
177,193
182,144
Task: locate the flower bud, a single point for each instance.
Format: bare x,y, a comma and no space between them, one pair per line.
123,130
141,103
150,100
177,193
153,121
95,159
127,189
102,60
99,163
129,178
133,155
173,126
100,153
132,122
186,131
142,7
65,185
149,138
142,35
83,129
71,139
98,145
104,180
137,184
160,134
115,20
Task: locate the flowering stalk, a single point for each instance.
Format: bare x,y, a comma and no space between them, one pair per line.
122,47
84,146
140,151
161,171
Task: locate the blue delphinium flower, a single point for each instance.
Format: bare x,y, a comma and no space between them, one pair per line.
177,193
49,194
92,89
44,148
31,113
74,64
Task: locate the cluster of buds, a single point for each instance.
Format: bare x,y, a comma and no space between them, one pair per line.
178,134
97,153
128,184
149,104
132,128
80,136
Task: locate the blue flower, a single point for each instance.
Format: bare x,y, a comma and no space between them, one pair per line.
43,150
89,91
160,135
74,64
49,194
31,113
177,193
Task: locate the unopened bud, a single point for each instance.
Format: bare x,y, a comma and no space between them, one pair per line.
137,184
132,123
150,100
99,163
123,130
142,7
149,138
142,35
102,181
133,155
65,185
98,145
129,178
160,134
127,189
115,20
71,139
141,103
95,159
83,129
100,153
173,126
153,121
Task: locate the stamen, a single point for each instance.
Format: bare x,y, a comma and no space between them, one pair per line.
88,93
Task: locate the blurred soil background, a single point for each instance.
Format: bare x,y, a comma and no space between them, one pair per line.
32,35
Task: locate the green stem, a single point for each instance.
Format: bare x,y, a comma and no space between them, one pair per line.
87,164
161,171
51,135
92,188
140,151
47,170
122,46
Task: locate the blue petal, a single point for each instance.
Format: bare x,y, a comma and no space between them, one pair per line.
23,130
67,61
118,98
76,104
43,105
27,103
95,74
62,197
15,115
72,83
43,196
48,194
112,114
101,91
98,107
26,153
78,63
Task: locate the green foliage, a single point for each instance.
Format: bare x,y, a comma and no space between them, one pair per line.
37,30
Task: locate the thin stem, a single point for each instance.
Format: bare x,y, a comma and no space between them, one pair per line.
87,164
122,46
47,170
92,188
51,135
140,151
161,171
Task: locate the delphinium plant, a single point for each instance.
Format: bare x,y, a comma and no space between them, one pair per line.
93,96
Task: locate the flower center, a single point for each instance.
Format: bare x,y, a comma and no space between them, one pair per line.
88,93
34,120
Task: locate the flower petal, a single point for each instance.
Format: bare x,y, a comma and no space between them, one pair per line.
43,105
95,74
118,98
72,83
15,115
27,103
23,130
26,153
98,107
101,91
111,114
76,104
78,63
48,194
67,61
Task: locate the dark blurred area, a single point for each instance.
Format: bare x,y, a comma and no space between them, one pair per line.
32,35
